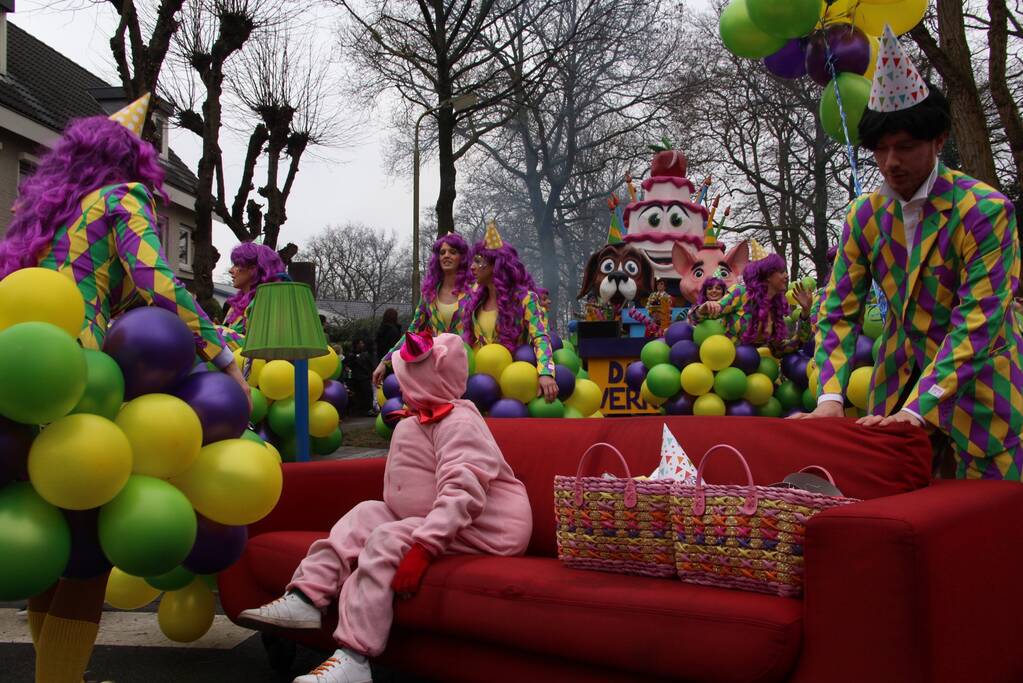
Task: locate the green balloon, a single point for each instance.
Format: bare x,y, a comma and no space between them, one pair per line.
35,542
771,409
742,37
250,435
382,429
43,373
174,580
655,353
539,407
789,395
572,412
707,328
259,407
568,358
281,417
287,446
566,344
334,375
873,323
210,580
471,355
769,367
729,384
809,400
582,374
664,380
784,18
104,386
325,445
855,91
148,528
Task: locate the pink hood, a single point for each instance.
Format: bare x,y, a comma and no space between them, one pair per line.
439,378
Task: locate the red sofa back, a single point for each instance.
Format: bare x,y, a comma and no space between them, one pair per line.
866,463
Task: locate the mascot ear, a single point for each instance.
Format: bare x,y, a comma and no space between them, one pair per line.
737,257
590,273
646,281
683,257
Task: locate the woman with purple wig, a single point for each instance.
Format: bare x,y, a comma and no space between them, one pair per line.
445,291
712,289
251,265
755,313
506,309
88,212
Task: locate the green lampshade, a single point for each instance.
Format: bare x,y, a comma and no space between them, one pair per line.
284,324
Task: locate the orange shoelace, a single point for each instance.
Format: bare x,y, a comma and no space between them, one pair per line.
325,667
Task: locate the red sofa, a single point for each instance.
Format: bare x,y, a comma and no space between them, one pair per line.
917,584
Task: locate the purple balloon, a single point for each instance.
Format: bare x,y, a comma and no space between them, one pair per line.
680,404
154,349
847,46
391,405
789,61
525,354
391,387
566,381
219,402
635,374
797,371
335,394
483,390
741,409
265,433
556,342
87,560
677,332
864,355
747,358
216,547
808,349
15,442
509,407
788,365
683,353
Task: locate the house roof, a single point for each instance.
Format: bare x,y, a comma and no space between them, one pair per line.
357,310
45,86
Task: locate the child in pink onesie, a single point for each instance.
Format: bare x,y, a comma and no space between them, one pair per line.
447,489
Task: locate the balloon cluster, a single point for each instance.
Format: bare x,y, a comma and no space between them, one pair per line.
273,404
128,457
834,40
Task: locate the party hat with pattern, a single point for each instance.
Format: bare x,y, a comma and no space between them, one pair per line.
492,239
133,116
675,464
897,84
756,251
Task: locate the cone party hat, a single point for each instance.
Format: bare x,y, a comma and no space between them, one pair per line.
897,83
133,117
492,238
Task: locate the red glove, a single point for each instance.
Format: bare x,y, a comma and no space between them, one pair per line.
410,571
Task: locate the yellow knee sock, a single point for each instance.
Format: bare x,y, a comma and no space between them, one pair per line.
35,625
64,649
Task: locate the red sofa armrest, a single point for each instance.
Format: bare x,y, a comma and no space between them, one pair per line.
317,494
916,588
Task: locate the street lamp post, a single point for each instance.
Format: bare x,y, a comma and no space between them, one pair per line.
458,103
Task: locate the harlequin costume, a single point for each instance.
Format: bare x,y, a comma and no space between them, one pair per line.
736,318
436,317
447,489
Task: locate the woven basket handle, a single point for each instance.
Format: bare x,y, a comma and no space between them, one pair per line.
827,475
630,483
700,503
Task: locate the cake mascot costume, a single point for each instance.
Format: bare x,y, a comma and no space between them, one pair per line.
447,489
251,265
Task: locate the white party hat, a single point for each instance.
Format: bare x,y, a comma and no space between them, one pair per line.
897,84
675,464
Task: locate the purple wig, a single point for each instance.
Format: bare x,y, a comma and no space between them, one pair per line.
511,283
92,153
707,284
435,276
761,308
269,268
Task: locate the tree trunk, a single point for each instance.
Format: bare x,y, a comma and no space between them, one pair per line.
820,203
446,196
1008,110
206,255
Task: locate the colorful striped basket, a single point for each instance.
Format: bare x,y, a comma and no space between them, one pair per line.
618,525
744,536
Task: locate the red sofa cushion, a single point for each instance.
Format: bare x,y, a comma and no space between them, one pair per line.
866,463
660,627
274,557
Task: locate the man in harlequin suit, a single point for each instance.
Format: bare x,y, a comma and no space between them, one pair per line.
944,250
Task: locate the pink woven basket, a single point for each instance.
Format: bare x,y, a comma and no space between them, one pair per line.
617,525
744,536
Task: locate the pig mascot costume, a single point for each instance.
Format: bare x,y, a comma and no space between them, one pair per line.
447,489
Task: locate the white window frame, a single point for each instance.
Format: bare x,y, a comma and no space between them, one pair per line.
188,231
26,158
159,119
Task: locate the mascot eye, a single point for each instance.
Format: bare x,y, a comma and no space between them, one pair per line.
676,220
607,265
654,220
632,268
722,272
698,272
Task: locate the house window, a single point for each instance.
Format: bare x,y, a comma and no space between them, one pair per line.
160,130
185,247
163,232
27,165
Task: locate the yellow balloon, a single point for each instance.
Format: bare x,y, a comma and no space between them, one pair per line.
324,366
125,591
520,381
811,367
323,419
649,397
717,352
875,47
901,16
164,432
859,387
80,462
273,450
587,396
709,404
697,379
43,295
492,359
381,397
234,482
277,380
815,382
187,614
759,389
764,352
315,387
256,366
596,414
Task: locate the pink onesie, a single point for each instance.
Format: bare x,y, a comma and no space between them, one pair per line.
446,486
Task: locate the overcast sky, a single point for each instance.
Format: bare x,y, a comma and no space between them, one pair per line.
350,184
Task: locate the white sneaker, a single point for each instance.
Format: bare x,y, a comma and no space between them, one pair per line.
343,666
287,611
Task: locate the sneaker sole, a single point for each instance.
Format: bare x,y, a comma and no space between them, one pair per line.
261,623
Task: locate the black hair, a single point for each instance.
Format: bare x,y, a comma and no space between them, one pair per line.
928,120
